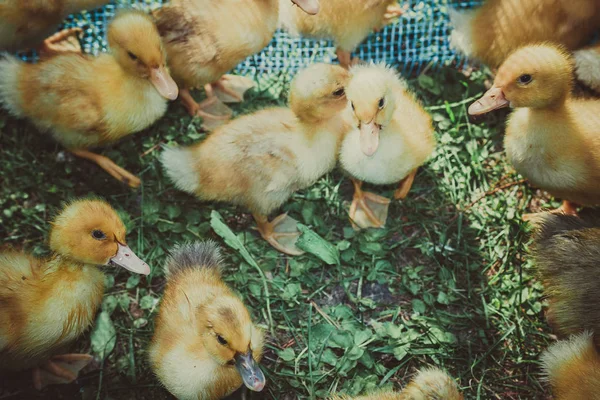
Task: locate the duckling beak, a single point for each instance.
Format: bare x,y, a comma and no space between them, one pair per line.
369,137
308,6
251,373
492,100
127,259
164,84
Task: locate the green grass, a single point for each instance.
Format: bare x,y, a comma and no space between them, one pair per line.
447,283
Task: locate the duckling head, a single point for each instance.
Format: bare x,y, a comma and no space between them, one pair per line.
91,232
371,96
308,6
137,47
227,331
534,76
317,92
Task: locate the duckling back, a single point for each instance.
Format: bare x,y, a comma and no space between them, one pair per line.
573,368
566,253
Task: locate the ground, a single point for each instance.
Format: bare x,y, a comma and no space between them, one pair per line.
448,282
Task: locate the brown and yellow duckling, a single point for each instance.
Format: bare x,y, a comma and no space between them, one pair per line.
88,101
205,345
259,160
47,303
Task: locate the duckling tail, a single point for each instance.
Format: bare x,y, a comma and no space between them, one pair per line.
193,255
431,383
573,368
10,96
178,163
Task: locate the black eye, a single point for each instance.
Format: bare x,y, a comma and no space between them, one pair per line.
524,79
339,92
352,104
98,234
132,56
381,103
221,340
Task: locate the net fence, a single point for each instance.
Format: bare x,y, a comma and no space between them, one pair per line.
418,40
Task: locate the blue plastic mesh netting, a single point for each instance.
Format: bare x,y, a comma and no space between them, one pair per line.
417,40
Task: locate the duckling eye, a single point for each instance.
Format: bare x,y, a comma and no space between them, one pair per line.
339,92
221,340
352,104
381,103
98,234
524,79
132,56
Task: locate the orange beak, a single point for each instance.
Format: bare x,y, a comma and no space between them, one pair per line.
308,6
492,100
369,137
164,84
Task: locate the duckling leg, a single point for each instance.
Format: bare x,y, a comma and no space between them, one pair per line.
281,233
109,166
60,369
231,88
345,58
64,41
405,186
212,110
367,210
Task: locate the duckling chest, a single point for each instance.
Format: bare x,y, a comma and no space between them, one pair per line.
315,158
391,162
67,304
547,162
134,110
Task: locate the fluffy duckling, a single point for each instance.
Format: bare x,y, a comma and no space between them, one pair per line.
573,368
566,252
202,47
428,384
499,27
392,138
24,24
85,101
205,344
551,139
587,66
259,160
346,22
47,303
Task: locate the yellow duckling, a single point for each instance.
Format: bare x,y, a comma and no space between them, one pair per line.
573,368
499,27
205,344
26,23
259,160
48,303
428,384
205,39
551,139
85,101
393,136
346,22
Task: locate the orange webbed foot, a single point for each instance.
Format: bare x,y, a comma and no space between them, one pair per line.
60,369
281,233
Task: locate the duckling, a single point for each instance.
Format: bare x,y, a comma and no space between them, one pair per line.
428,384
393,137
566,253
551,139
47,303
499,27
85,101
573,368
205,344
204,39
24,24
587,66
346,22
259,160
